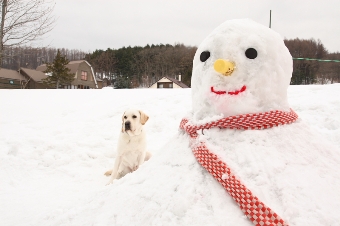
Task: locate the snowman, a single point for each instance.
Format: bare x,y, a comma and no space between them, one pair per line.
241,73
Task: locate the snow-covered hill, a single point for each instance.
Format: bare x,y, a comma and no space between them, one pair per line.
55,146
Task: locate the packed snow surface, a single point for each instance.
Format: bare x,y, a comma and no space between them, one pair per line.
55,146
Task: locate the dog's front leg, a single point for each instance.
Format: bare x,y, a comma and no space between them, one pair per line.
141,159
114,173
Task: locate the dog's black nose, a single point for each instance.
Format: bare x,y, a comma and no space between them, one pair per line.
127,125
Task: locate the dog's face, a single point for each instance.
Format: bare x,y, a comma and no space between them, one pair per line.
133,121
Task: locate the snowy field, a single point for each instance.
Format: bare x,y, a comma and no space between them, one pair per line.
55,146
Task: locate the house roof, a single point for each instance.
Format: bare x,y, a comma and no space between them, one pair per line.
179,83
76,62
41,67
72,65
11,74
34,74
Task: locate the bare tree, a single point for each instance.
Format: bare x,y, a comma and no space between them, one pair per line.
23,22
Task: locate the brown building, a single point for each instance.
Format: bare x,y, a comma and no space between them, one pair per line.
106,82
26,78
10,79
84,75
34,79
100,83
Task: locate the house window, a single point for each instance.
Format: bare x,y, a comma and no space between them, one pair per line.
82,87
164,85
84,75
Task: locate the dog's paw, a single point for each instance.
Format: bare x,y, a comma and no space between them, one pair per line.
135,168
108,173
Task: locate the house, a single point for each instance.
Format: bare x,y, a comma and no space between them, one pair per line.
24,78
99,82
106,82
169,83
34,79
10,79
84,75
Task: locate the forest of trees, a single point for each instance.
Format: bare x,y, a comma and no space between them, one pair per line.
312,71
143,66
131,67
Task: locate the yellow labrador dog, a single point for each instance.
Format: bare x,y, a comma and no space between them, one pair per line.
131,149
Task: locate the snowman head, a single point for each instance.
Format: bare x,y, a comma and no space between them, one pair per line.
241,67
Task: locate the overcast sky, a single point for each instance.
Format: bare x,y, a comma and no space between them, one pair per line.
101,24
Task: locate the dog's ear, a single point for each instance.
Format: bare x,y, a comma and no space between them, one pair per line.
123,127
143,117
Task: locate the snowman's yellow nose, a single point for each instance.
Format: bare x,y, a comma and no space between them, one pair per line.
224,67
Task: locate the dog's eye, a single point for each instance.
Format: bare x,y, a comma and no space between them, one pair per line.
134,116
125,117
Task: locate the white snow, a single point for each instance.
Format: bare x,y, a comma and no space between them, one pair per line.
55,146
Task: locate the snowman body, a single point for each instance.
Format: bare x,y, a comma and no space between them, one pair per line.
298,179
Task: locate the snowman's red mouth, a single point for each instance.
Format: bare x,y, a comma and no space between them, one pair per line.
236,92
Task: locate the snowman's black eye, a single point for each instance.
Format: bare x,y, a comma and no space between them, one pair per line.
251,53
204,56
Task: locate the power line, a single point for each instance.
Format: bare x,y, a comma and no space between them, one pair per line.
338,61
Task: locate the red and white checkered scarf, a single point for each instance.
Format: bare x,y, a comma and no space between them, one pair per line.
251,206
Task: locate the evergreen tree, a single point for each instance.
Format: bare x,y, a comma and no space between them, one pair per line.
122,82
59,73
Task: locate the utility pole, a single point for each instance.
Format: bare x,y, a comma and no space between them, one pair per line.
270,18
